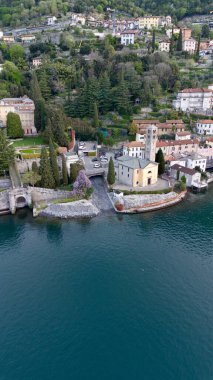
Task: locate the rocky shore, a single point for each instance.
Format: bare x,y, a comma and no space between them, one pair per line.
78,209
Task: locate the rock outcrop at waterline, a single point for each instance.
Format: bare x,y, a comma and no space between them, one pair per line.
77,209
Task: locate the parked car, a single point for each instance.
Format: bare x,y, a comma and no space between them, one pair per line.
94,159
97,165
104,159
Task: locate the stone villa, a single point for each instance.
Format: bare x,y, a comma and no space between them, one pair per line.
24,107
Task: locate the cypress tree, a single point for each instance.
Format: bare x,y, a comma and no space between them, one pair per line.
111,172
48,134
73,172
7,153
34,88
54,163
153,41
35,168
96,116
64,171
161,161
47,180
197,56
180,41
121,98
40,115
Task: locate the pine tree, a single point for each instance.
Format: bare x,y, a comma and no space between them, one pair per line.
122,97
104,95
171,46
54,163
48,134
111,172
64,171
92,90
180,41
161,161
14,128
96,116
47,180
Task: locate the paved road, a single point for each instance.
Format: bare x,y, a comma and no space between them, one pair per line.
100,196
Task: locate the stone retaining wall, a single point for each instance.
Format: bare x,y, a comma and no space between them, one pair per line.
40,194
4,200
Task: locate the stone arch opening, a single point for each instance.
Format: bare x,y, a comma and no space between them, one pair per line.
21,201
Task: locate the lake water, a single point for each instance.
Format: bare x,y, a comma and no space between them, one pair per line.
116,297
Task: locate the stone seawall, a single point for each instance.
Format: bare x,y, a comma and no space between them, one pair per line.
150,202
4,202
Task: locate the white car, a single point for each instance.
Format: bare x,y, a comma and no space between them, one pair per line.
97,165
104,159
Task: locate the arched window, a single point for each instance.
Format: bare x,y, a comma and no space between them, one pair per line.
150,172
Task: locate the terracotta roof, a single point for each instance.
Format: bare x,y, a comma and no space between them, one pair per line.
205,121
176,142
183,133
195,90
210,139
134,144
145,121
183,169
175,121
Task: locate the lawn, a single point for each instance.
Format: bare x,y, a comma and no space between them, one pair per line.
29,141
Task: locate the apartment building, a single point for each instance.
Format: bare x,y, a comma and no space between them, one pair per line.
204,127
193,99
24,107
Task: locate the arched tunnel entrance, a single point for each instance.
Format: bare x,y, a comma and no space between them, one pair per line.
21,202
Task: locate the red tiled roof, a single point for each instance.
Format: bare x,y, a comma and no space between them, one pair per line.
205,121
135,144
176,142
195,90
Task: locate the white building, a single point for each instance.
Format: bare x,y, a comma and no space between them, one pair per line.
37,62
191,175
134,149
194,99
204,127
164,46
51,20
196,159
189,45
183,136
27,38
174,31
140,137
1,34
128,37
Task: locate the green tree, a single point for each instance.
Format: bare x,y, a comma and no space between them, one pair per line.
44,86
14,128
111,172
47,180
35,91
104,95
122,97
161,161
73,172
31,178
96,116
197,55
153,41
35,167
205,32
40,114
64,171
7,153
16,52
54,163
180,41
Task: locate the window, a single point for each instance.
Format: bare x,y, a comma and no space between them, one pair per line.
150,172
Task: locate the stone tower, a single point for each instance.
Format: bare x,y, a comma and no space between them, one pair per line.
151,140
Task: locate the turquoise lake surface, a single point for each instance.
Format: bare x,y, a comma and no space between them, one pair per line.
116,297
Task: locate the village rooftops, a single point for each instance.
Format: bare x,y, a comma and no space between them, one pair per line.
183,169
205,121
134,162
161,144
195,90
183,133
134,144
